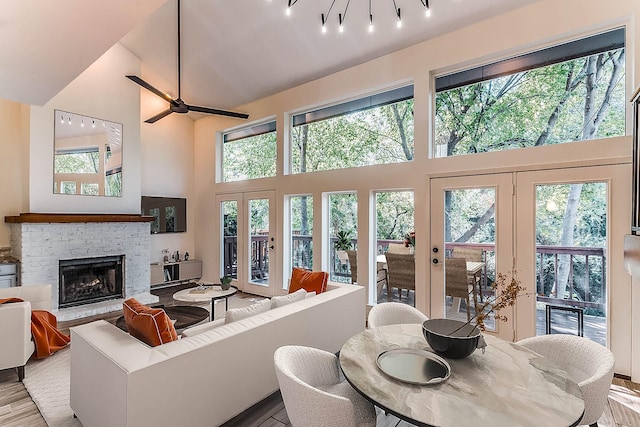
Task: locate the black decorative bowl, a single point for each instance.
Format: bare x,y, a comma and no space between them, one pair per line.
451,338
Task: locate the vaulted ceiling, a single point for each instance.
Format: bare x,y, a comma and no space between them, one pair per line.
233,52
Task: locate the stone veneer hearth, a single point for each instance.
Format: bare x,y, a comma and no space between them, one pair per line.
40,245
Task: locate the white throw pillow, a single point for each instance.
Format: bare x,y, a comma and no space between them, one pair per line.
283,300
234,314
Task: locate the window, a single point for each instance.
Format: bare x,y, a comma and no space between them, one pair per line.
374,130
571,92
343,234
301,229
85,160
249,153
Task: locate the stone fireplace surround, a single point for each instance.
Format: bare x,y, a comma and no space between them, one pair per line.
40,241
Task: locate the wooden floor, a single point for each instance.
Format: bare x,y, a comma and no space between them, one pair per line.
18,410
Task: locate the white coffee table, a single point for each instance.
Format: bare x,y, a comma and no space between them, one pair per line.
211,292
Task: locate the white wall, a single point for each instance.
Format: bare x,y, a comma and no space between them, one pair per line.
167,169
102,91
539,25
13,164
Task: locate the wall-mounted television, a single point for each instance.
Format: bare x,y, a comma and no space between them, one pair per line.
169,213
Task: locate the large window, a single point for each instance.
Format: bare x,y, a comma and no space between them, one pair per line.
249,153
301,232
374,130
343,234
570,92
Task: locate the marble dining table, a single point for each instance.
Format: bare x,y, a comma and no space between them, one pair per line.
508,385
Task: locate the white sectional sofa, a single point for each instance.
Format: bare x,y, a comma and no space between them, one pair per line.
204,379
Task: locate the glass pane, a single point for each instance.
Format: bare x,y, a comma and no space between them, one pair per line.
89,189
580,99
249,158
394,232
343,234
68,187
170,218
230,238
373,136
113,184
301,232
77,162
155,225
470,236
571,225
259,244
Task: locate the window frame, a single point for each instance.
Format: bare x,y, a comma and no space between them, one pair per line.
370,100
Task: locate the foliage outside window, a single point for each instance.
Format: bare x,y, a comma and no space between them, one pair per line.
301,221
369,131
394,217
78,161
500,106
249,153
343,217
89,189
580,212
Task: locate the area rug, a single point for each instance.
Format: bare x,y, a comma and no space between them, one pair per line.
48,380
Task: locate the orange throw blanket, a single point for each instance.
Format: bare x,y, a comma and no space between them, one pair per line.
44,328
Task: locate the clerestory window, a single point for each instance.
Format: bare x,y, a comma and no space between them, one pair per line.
570,92
373,130
249,152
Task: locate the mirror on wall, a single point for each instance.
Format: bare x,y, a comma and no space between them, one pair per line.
87,155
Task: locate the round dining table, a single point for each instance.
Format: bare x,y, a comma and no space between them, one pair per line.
508,385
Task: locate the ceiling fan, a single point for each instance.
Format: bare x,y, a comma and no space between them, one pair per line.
178,105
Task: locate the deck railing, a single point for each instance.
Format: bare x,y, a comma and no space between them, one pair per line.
586,284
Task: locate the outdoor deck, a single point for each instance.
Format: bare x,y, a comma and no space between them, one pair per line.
595,328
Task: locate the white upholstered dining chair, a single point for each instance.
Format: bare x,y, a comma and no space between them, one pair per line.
394,313
588,363
312,392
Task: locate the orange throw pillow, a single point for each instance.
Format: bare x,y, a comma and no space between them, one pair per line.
310,281
150,325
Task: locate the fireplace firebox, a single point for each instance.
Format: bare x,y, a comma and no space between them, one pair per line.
90,280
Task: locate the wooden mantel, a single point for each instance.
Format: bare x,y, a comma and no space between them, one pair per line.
75,218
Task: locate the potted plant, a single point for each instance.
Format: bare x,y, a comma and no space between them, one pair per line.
343,242
225,282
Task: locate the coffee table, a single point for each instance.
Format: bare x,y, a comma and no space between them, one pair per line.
211,292
184,315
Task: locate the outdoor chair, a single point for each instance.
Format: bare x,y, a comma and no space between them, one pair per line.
394,313
397,248
400,273
587,362
457,282
474,255
381,277
313,393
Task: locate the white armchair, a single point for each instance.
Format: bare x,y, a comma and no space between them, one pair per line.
588,363
15,324
393,313
312,392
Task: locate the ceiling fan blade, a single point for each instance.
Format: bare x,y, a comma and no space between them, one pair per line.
158,116
218,112
150,88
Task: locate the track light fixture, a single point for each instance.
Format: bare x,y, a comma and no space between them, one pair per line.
324,17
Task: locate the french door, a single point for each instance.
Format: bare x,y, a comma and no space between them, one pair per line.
594,281
519,222
247,224
471,223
